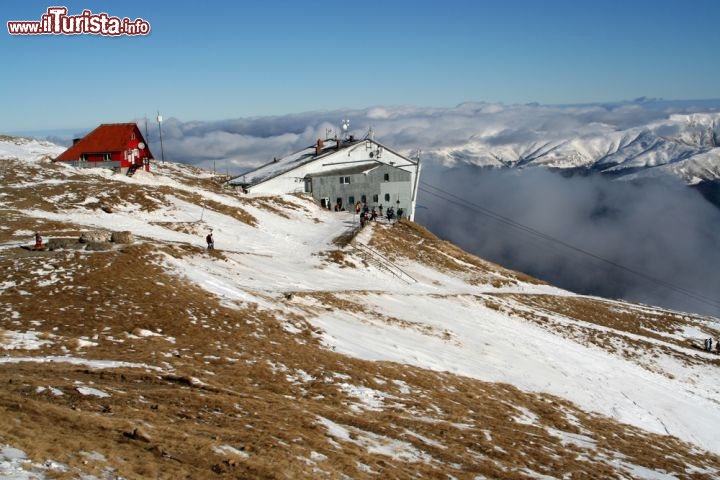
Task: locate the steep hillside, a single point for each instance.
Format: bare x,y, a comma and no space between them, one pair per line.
302,348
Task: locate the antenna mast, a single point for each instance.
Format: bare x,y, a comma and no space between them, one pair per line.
162,152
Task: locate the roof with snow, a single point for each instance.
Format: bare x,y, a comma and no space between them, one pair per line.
308,155
350,170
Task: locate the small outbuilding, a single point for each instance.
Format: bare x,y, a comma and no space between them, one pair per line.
118,146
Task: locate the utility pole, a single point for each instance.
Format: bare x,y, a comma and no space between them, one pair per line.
162,152
413,198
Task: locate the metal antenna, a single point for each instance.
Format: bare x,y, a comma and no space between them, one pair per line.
162,152
370,134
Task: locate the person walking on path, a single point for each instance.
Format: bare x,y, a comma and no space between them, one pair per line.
210,241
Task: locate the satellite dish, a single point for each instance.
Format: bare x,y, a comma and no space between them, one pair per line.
141,145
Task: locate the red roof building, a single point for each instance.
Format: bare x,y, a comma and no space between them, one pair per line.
119,146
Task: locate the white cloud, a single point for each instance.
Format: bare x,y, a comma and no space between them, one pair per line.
441,133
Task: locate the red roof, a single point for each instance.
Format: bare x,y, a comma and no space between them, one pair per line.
107,138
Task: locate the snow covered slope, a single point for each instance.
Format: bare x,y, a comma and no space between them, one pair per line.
302,347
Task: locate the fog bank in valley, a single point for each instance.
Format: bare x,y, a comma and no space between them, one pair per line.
659,229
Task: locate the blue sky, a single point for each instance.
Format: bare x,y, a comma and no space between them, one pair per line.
214,60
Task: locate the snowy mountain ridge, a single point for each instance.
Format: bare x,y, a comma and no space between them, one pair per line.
287,352
684,145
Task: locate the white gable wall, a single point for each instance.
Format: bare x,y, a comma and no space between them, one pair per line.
288,182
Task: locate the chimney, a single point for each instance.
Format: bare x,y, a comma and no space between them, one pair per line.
319,147
76,140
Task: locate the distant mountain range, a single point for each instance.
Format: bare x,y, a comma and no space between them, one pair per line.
683,145
629,140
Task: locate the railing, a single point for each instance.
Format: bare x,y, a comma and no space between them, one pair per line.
380,261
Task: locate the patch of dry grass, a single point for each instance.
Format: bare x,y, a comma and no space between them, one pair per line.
237,213
278,205
337,256
410,240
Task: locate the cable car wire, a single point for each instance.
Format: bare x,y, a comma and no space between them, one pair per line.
460,202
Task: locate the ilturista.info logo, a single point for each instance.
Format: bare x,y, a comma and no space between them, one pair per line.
56,21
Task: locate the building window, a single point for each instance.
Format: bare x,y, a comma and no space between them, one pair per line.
351,200
132,136
363,199
387,197
386,177
375,198
344,180
106,157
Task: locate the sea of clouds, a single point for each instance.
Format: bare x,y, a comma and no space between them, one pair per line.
655,242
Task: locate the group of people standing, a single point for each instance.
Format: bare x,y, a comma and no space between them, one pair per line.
709,345
367,214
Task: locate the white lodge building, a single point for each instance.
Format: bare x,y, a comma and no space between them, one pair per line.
341,172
